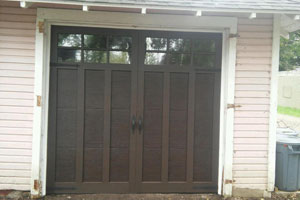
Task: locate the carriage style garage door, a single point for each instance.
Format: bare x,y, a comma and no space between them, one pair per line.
133,111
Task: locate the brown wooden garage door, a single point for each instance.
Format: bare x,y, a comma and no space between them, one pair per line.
133,111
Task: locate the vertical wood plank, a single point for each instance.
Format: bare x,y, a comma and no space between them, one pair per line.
52,127
132,145
107,120
165,134
80,125
191,121
216,127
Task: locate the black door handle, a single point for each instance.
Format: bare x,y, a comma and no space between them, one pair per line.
133,123
140,124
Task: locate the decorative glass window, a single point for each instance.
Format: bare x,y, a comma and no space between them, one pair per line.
94,48
120,49
69,48
180,52
69,40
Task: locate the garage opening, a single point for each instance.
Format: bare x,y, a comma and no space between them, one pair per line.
133,111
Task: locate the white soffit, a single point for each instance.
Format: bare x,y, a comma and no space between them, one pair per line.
229,6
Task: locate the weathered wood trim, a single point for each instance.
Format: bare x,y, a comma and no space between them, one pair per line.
40,121
227,118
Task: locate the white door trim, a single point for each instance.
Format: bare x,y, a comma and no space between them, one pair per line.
273,102
48,17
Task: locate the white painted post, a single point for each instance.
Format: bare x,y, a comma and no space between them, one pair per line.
36,184
229,113
273,102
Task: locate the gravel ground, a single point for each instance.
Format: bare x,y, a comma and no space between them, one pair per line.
288,121
25,196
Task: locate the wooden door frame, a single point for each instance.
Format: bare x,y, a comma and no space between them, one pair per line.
48,17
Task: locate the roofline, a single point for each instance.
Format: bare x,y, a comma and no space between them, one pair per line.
140,6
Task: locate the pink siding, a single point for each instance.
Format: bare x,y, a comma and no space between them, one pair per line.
251,124
254,49
17,30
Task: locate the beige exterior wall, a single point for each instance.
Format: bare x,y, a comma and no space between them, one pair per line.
289,89
17,30
251,124
254,49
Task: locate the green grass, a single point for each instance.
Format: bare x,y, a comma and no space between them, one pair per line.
289,111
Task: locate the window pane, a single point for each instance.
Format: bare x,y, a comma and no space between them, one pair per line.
206,61
69,55
119,57
205,45
179,45
179,59
156,44
120,43
69,40
155,58
95,41
95,56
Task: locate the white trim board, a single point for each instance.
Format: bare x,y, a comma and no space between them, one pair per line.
225,25
273,103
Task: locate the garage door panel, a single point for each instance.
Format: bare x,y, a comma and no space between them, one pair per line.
92,167
151,164
94,127
202,164
119,164
65,164
153,90
179,91
94,89
90,117
203,135
177,164
66,127
153,120
120,128
152,139
147,123
121,89
67,88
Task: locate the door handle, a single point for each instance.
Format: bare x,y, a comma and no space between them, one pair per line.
140,124
133,123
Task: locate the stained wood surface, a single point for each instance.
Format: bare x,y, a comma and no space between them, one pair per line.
172,145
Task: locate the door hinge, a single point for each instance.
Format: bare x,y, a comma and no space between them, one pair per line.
38,100
41,27
36,184
231,35
234,106
229,181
